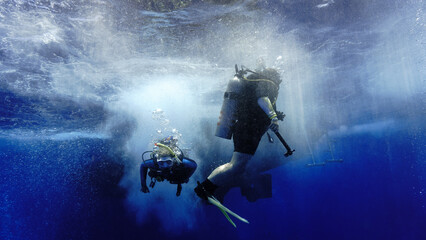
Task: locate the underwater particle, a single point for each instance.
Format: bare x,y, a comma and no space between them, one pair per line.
325,3
165,121
158,114
157,111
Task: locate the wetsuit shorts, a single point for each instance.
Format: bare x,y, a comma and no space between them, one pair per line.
247,135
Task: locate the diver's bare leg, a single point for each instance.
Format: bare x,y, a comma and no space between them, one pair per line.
226,172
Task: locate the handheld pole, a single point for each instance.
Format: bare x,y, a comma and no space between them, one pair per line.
287,147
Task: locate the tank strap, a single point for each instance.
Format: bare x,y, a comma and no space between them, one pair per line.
230,95
261,80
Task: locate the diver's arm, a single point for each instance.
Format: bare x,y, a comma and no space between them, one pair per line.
143,172
266,105
190,166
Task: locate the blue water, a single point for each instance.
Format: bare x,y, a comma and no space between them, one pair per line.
81,83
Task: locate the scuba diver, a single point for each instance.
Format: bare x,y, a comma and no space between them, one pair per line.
166,162
247,112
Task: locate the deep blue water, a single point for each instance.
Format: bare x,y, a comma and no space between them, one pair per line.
80,82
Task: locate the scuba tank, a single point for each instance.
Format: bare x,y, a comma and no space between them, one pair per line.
228,116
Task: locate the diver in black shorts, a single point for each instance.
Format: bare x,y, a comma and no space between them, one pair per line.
255,112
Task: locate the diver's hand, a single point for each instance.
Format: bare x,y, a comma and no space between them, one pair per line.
145,189
274,125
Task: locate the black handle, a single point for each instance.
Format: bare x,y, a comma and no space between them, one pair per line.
287,147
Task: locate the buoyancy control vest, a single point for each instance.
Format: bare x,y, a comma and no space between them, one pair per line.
228,112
